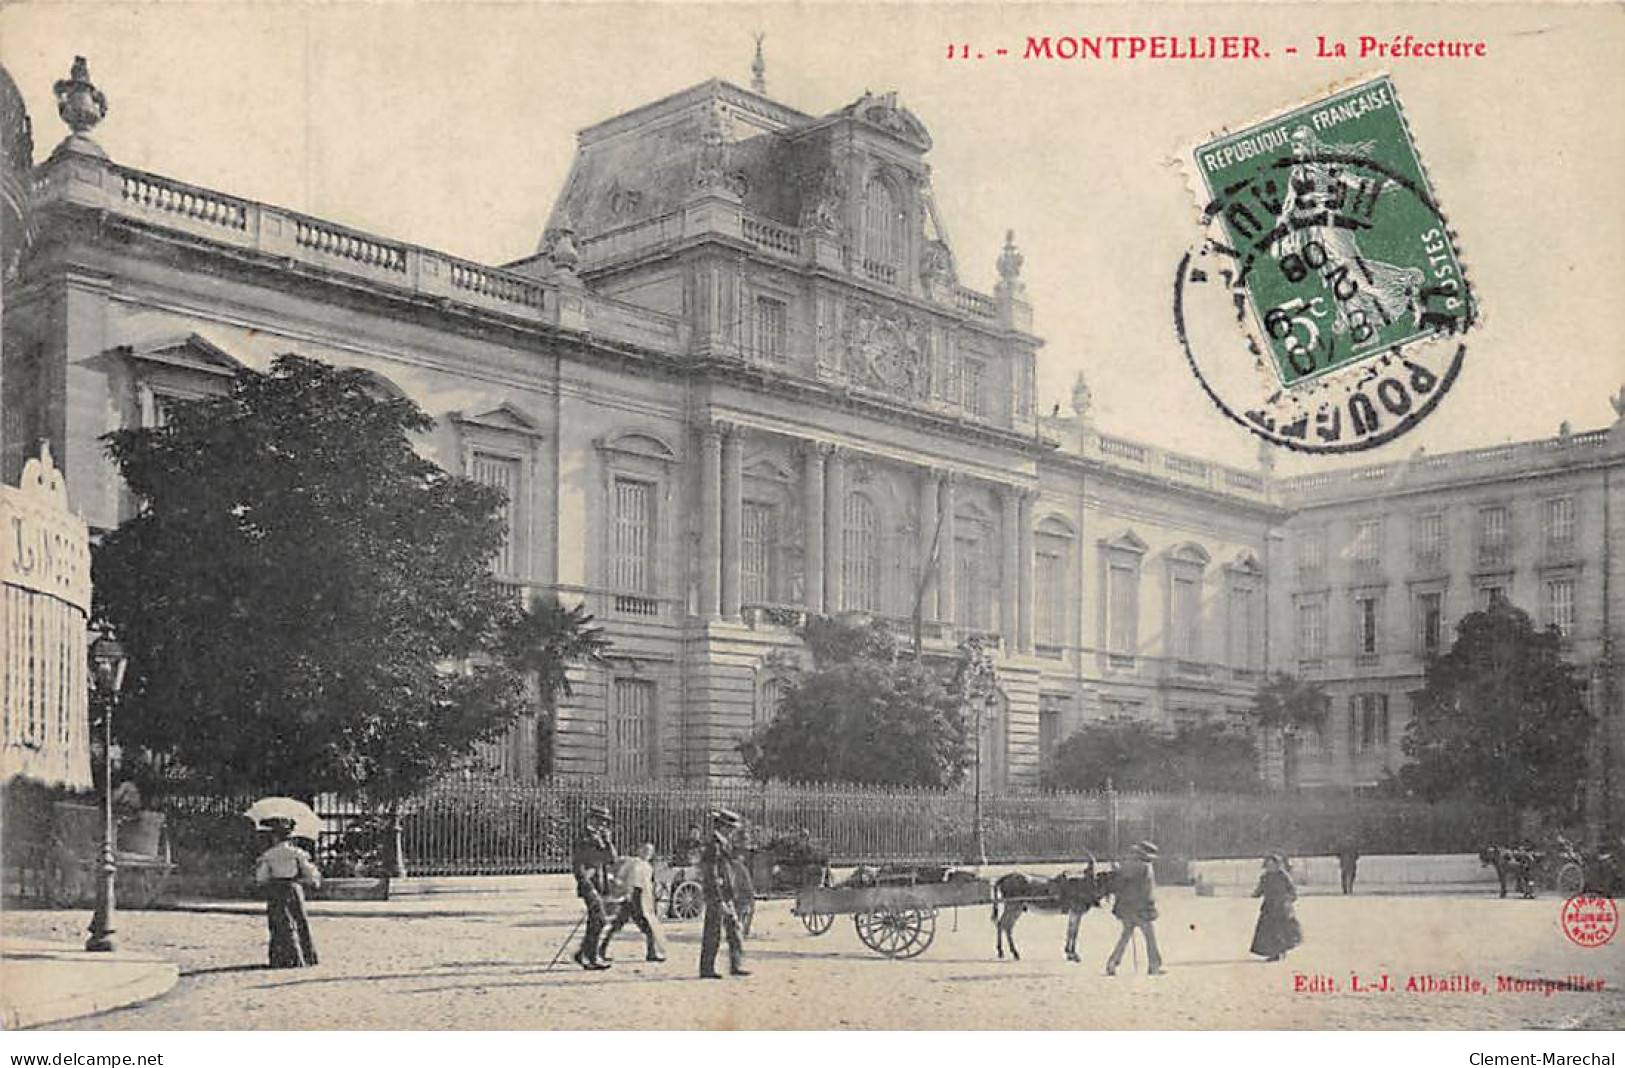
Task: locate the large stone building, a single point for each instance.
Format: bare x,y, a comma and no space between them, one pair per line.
741,381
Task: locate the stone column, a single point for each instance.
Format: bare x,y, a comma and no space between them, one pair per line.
834,512
812,505
929,580
732,521
710,520
948,556
1010,555
1024,571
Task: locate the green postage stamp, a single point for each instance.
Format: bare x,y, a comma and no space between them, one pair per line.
1343,251
1325,242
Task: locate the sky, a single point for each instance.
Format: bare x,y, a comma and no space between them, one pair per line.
453,126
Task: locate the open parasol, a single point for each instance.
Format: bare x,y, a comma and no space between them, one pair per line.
306,824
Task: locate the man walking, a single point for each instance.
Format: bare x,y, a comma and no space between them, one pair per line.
717,882
1136,907
635,877
591,854
1347,858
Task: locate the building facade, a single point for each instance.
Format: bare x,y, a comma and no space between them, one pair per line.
739,382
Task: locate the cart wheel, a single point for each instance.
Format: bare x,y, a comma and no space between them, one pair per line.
817,923
1570,879
897,933
687,900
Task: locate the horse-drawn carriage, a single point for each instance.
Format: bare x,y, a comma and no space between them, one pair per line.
777,869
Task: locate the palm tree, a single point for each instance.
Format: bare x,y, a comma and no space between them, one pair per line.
1285,706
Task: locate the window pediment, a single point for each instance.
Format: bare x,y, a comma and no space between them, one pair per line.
1055,527
641,443
187,352
1191,554
505,418
1126,542
1245,563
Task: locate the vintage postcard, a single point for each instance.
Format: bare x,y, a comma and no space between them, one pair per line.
828,516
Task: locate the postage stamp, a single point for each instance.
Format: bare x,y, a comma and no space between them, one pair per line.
1343,273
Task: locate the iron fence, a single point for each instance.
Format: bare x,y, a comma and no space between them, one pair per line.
491,828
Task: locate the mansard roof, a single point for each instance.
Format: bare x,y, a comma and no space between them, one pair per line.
645,163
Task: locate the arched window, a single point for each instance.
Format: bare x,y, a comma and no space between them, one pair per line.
882,225
860,555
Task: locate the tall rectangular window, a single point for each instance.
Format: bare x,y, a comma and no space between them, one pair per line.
1311,554
1123,604
1187,621
632,728
1051,590
1368,722
1559,524
1560,605
1368,545
1490,596
860,555
1429,623
1312,631
970,589
1492,536
973,385
759,537
501,472
1365,625
771,328
632,569
1427,544
1245,633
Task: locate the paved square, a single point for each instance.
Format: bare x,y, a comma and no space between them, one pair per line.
481,962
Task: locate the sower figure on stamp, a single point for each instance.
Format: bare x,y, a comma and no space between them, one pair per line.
591,854
721,915
635,876
1136,907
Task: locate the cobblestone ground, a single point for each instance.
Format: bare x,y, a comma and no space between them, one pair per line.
482,963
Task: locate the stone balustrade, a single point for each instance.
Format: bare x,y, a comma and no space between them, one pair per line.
1425,469
76,180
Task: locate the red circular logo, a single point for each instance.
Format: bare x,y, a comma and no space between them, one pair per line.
1590,921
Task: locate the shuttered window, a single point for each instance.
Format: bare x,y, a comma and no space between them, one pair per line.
860,555
632,569
502,473
759,538
1123,630
632,728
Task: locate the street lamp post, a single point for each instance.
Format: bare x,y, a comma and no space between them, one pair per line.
108,659
979,840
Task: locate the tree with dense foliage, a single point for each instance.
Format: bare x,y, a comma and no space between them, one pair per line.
307,603
1132,754
1286,706
862,714
1502,718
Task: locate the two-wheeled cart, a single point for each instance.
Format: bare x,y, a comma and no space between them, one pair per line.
897,920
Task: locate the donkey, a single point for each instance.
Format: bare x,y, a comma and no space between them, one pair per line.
1069,892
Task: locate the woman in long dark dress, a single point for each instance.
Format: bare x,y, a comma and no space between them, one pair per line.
285,870
1277,929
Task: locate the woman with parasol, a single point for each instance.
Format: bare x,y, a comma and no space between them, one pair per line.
285,871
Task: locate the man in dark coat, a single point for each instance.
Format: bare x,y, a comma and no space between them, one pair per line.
1347,858
591,855
1136,907
721,913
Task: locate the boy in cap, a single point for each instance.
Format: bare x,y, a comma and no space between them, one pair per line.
1136,906
721,916
591,853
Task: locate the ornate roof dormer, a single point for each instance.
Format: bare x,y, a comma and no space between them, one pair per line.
883,112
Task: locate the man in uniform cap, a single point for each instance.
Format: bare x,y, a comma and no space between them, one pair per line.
1136,906
716,880
591,854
